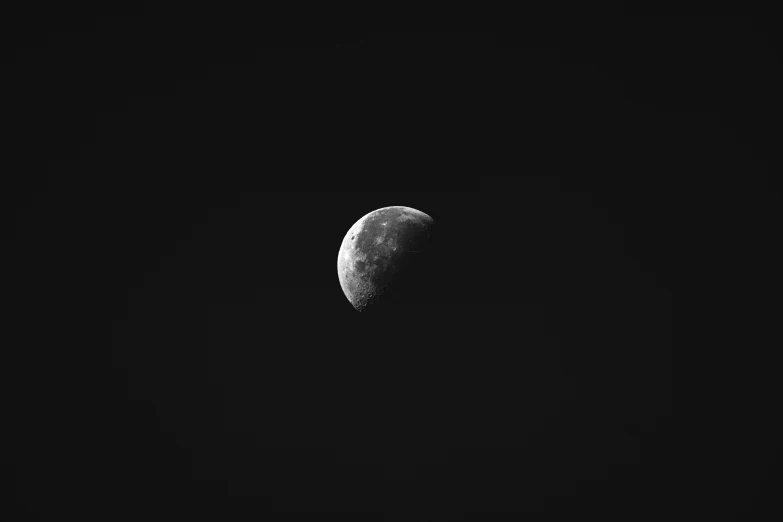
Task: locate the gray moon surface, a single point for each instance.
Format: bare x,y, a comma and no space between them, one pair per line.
379,250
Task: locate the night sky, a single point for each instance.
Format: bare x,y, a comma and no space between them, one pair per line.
185,239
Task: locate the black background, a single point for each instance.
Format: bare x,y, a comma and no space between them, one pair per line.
188,347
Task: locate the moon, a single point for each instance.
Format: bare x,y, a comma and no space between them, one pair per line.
380,250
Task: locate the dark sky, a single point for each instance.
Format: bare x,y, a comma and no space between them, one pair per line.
197,197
